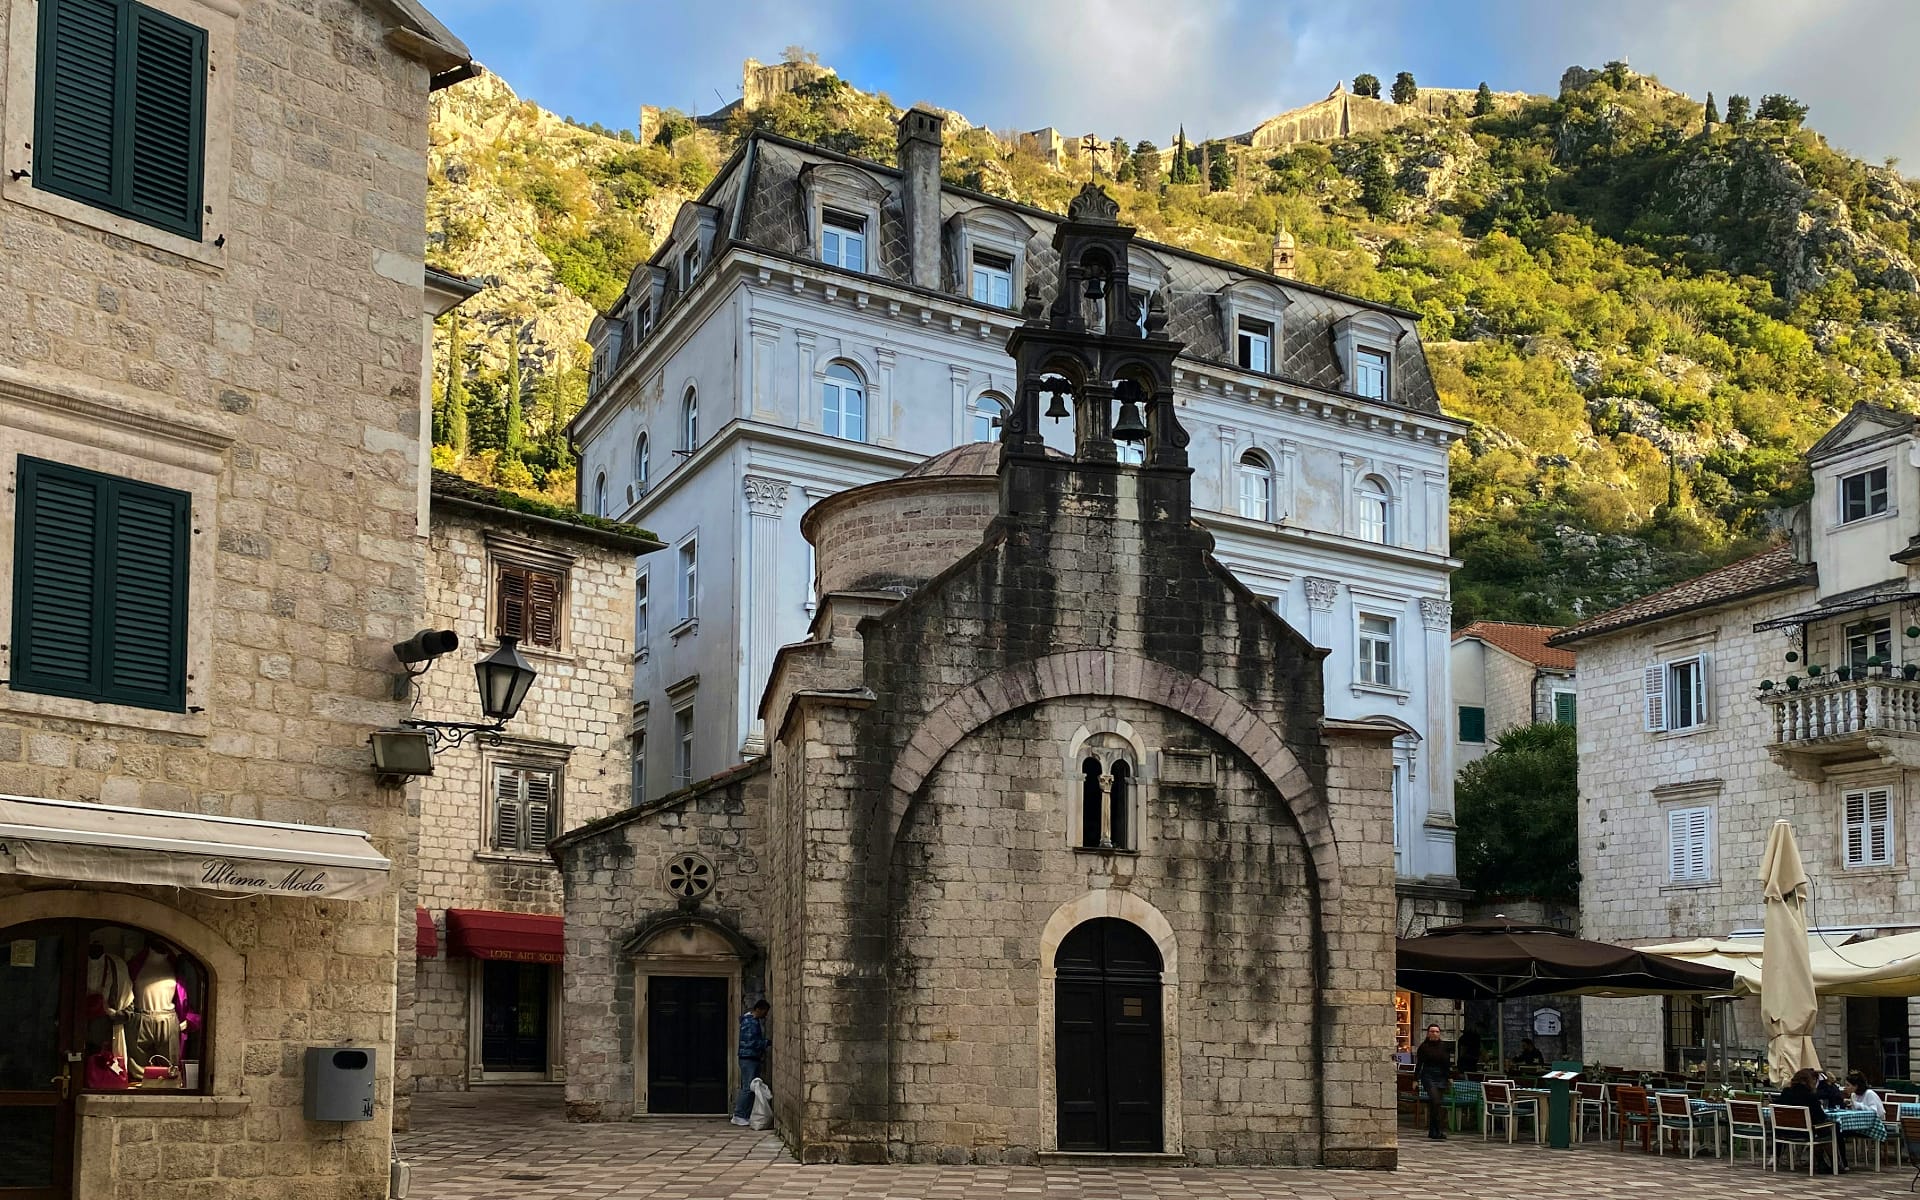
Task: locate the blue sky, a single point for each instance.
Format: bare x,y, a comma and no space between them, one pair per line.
1140,68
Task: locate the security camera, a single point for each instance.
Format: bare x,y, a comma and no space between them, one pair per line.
426,646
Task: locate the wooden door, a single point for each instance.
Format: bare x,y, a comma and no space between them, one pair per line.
513,1018
37,1052
687,1044
1107,1043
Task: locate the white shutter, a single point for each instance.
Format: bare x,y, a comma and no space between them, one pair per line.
1698,840
1689,842
506,808
1677,845
539,809
1654,683
1880,825
1702,691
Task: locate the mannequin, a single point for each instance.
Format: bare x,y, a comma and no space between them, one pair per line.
109,1001
162,1011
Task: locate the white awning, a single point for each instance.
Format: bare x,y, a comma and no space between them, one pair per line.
59,839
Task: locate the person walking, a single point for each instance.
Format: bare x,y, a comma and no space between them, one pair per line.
755,1043
1433,1069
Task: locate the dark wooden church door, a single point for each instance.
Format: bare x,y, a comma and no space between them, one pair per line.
687,1044
1106,1042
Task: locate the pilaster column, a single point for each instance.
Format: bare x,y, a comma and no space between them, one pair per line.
760,583
1436,511
764,386
880,407
1437,616
1321,593
806,405
1344,520
1229,492
958,376
1286,491
1400,529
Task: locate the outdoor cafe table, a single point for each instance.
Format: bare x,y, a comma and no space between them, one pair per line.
1469,1095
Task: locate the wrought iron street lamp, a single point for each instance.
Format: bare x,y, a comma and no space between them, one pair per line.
503,677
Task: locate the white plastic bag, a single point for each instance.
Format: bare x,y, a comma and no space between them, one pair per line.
762,1116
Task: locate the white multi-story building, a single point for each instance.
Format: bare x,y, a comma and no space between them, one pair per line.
1786,685
816,322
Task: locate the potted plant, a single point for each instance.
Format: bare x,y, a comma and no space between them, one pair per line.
1813,672
1910,670
1843,672
1766,685
1793,683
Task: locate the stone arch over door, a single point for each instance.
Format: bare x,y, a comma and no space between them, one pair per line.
684,947
1127,907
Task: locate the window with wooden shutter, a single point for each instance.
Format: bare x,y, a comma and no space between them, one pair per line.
527,605
1654,689
1868,822
1690,845
1473,723
100,587
120,110
526,808
1563,708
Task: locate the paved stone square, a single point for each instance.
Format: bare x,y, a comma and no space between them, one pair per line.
514,1144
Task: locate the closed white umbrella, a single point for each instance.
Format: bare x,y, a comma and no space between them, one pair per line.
1787,999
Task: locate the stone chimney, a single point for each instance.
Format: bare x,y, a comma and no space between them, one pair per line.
919,152
1283,254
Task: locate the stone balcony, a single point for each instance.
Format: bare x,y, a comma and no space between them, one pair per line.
1842,721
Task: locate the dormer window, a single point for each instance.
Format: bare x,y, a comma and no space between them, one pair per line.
1370,374
689,267
1138,299
992,279
843,241
1254,345
643,322
1863,495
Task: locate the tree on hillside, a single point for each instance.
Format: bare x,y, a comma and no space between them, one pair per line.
1738,107
796,55
1482,100
1146,163
453,403
1518,816
1219,168
1776,106
1180,170
1366,85
1615,73
1377,192
1405,90
1713,114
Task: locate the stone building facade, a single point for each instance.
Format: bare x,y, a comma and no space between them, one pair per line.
1703,719
210,437
1053,848
1505,675
487,1000
815,323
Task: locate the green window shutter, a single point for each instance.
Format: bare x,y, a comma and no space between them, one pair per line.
1563,708
100,587
1473,724
165,121
120,111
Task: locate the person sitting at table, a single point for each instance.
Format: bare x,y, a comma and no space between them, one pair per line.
1802,1091
1529,1055
1433,1067
1864,1096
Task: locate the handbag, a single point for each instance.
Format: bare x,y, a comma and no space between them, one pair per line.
157,1068
105,1073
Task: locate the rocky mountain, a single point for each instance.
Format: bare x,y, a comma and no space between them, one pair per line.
1644,312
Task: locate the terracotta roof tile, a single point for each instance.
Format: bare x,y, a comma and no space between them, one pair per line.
1768,571
1522,641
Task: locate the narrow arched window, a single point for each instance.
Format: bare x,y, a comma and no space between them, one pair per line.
1108,818
1376,511
600,494
984,415
843,403
642,454
1253,479
690,421
1118,798
1092,804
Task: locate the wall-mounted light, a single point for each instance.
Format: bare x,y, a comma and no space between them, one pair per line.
503,679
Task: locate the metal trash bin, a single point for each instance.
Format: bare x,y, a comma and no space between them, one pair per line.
339,1083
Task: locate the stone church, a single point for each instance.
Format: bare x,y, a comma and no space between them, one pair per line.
1053,850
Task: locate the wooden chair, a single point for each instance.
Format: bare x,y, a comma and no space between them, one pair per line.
1590,1099
1630,1111
1498,1103
1910,1142
1746,1122
1793,1126
1677,1116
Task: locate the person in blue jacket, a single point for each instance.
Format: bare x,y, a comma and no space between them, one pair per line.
755,1044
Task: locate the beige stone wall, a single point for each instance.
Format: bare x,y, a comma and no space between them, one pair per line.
575,718
276,377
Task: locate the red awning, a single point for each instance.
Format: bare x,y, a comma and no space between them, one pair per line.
426,943
513,937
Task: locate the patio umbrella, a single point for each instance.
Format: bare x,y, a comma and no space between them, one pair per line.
1496,958
1787,1001
1881,966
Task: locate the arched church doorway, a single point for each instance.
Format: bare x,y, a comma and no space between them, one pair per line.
1107,1039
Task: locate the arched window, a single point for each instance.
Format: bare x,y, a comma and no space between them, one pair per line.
982,416
1107,795
121,1005
1253,478
600,494
1375,515
843,403
642,463
690,421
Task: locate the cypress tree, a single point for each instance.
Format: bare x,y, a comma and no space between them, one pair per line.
456,390
1483,100
1713,113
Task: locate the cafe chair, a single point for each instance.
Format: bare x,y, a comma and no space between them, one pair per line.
1677,1116
1590,1099
1910,1142
1630,1112
1793,1126
1499,1104
1746,1122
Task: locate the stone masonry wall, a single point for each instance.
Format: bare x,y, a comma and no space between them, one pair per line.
575,716
279,382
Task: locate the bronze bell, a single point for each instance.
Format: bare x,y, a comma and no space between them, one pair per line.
1129,427
1057,408
1097,288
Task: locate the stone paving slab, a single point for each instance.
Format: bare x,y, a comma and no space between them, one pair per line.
515,1144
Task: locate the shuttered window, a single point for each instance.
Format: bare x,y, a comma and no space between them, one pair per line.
1676,694
1473,723
526,807
1869,827
100,587
120,110
1690,845
1564,708
527,606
